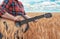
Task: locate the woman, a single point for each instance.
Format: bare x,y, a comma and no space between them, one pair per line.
12,9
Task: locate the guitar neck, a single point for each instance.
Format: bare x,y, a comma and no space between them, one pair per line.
31,19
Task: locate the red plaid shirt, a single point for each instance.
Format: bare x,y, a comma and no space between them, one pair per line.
12,7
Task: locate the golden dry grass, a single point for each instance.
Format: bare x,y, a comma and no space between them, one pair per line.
45,28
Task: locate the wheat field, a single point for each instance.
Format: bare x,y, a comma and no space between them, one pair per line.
44,28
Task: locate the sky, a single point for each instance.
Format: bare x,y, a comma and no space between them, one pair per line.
40,5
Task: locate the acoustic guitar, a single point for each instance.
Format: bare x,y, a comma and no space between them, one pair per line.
9,27
10,23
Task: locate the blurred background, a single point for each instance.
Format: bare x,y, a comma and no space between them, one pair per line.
45,28
40,5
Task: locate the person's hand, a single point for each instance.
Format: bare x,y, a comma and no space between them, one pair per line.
17,18
30,17
34,20
27,17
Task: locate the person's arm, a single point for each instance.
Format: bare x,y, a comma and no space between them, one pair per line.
11,17
4,14
8,16
23,11
21,8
